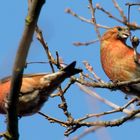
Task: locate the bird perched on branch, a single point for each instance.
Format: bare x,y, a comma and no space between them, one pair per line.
120,61
35,89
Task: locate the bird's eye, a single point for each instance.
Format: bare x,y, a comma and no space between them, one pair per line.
119,29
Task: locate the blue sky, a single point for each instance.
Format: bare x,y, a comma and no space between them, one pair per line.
60,31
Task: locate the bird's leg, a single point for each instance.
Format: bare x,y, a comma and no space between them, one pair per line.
136,59
135,43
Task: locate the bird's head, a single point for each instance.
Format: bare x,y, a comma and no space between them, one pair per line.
118,32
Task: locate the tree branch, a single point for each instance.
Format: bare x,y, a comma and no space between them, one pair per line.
12,110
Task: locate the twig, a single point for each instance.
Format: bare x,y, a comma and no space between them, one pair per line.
112,123
58,62
38,62
53,120
90,69
120,11
108,13
85,43
132,4
129,6
83,76
108,85
86,131
64,105
94,19
132,26
69,11
45,46
65,90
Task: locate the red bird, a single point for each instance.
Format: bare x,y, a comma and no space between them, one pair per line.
120,61
35,89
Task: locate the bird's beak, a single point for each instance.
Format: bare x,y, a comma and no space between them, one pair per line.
125,33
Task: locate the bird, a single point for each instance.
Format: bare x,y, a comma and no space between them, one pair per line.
120,61
35,89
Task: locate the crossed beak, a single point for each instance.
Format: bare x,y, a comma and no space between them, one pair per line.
126,33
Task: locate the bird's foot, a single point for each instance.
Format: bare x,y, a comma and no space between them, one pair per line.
135,42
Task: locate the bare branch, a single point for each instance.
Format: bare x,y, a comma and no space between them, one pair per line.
132,26
31,20
120,11
110,85
53,120
85,43
69,11
90,69
108,13
40,37
86,131
132,4
94,19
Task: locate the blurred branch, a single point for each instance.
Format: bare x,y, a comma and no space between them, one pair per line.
85,132
12,113
85,43
103,100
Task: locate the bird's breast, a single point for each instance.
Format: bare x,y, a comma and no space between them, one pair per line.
118,61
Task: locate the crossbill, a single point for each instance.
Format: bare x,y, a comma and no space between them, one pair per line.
120,61
35,89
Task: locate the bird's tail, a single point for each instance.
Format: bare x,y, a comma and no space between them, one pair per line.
71,70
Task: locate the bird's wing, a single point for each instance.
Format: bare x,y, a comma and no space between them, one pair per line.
7,78
30,82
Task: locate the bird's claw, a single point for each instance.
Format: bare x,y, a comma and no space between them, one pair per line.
135,42
136,58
